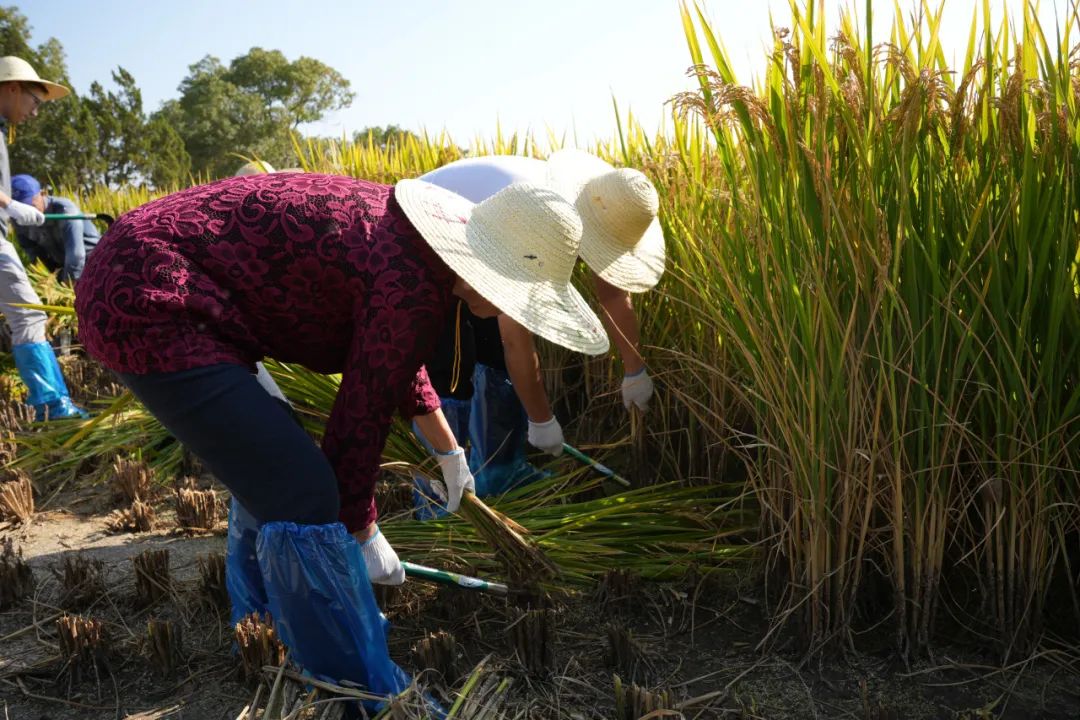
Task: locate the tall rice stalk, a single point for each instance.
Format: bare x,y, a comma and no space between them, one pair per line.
894,279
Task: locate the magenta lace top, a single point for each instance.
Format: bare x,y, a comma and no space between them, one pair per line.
320,270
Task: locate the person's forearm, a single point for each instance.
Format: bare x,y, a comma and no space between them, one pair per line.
621,323
436,431
523,366
74,250
5,199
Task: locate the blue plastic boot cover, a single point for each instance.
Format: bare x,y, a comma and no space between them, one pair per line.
60,409
40,372
34,361
498,429
243,578
323,606
424,498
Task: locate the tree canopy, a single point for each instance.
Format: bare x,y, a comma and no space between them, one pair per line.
223,113
250,107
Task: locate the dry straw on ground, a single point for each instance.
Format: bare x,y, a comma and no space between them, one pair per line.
212,581
83,646
616,589
140,517
17,498
438,652
82,581
532,638
132,479
15,417
257,644
633,702
164,646
16,577
196,509
625,654
152,578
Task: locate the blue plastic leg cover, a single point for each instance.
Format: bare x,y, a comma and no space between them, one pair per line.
498,430
457,416
243,577
40,372
323,606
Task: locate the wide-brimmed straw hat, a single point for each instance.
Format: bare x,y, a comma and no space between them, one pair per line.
254,167
621,239
15,69
517,249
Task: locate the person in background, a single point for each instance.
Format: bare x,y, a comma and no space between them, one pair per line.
61,245
186,293
487,370
21,93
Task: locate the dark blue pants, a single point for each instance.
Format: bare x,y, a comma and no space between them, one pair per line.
246,436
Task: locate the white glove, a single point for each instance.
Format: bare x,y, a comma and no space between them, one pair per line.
23,214
383,565
456,479
637,389
547,436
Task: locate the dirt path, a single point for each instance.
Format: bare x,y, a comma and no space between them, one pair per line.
694,640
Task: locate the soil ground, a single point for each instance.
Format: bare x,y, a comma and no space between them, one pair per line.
695,640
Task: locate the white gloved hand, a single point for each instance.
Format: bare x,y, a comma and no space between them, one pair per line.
547,436
383,565
637,389
23,214
456,479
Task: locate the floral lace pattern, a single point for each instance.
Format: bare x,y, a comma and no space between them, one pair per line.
319,270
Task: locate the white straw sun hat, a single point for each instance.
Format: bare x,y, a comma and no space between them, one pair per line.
621,239
15,69
254,167
517,249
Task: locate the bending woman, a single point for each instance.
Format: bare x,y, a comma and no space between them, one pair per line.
185,294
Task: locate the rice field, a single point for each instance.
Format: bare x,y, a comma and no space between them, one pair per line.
867,352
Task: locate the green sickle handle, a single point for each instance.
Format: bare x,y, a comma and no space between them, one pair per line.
107,219
452,578
599,467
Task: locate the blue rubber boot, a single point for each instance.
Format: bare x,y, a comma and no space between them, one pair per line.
324,609
48,393
424,498
498,430
243,578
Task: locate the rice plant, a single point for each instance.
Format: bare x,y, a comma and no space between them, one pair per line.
893,248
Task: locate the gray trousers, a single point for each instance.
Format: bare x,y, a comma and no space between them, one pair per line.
26,325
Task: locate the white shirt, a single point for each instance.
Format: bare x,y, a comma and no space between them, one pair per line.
479,178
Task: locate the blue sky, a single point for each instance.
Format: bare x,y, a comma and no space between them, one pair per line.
459,65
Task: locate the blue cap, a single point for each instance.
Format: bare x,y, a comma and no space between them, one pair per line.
24,187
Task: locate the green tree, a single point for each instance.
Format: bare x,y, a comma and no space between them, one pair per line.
383,135
132,148
167,164
250,107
